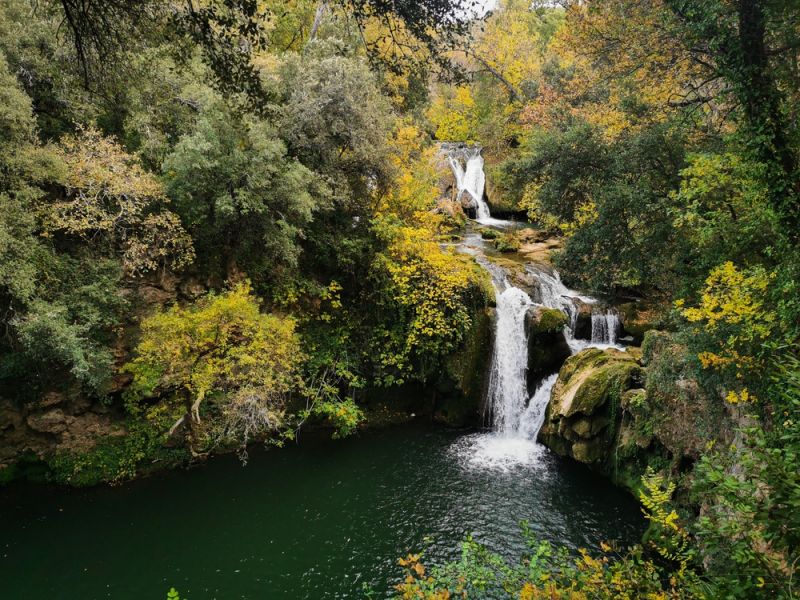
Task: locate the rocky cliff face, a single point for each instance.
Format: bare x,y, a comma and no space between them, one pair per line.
53,424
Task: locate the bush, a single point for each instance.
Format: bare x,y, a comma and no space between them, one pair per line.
507,242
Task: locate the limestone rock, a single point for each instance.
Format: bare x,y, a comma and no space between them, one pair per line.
54,421
547,347
584,411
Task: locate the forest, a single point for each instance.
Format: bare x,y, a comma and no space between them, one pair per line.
231,224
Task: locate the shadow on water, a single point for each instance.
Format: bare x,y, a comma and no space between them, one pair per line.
316,520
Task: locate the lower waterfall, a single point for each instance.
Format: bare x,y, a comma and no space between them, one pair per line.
515,415
508,392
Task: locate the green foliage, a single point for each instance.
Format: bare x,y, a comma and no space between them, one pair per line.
117,458
669,539
109,197
748,533
733,316
507,242
546,573
722,210
343,415
429,294
243,199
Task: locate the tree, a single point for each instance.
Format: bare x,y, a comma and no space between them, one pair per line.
109,197
222,348
231,32
245,201
744,40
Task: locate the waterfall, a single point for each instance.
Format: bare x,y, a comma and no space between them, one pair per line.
605,327
514,414
508,392
533,418
470,177
475,182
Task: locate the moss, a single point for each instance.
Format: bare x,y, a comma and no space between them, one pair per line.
507,242
489,234
550,320
468,369
588,451
597,388
585,359
640,317
116,458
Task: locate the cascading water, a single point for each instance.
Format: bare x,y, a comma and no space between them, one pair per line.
467,165
606,324
517,417
508,393
605,327
532,418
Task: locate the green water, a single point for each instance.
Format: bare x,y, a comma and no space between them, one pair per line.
318,520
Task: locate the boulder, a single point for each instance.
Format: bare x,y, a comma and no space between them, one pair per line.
584,411
640,317
583,322
547,346
541,320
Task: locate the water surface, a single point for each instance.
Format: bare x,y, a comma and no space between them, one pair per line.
317,520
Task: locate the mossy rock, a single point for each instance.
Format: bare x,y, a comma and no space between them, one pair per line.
547,347
587,428
587,379
461,389
589,451
584,414
545,320
489,234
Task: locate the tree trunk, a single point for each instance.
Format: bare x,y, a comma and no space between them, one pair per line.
761,100
321,8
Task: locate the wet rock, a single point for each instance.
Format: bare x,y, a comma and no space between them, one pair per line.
547,346
583,322
532,236
541,320
462,388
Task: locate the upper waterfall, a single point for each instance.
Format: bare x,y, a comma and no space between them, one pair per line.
467,165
